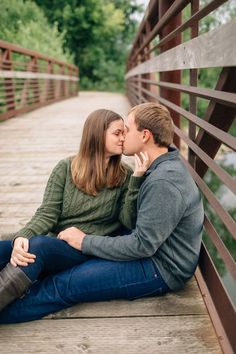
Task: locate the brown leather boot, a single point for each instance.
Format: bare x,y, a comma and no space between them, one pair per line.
13,284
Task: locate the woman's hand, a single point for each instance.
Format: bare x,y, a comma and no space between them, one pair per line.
72,236
20,255
141,164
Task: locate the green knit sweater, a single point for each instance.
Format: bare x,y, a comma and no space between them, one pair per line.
64,205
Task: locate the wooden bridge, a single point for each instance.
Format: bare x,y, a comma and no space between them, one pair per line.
199,319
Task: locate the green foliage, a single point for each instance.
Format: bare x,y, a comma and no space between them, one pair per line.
223,14
99,34
208,77
95,35
24,23
216,187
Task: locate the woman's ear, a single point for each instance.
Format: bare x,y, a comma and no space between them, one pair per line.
146,135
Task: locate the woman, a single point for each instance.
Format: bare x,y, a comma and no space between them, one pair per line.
93,191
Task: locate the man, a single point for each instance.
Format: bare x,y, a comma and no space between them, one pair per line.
160,254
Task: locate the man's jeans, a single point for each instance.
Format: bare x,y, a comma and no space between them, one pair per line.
91,279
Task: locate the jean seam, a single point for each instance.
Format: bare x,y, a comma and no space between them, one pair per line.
142,282
158,289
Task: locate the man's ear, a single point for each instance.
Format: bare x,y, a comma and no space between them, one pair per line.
146,135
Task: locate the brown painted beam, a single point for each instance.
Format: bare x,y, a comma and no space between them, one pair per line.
170,76
219,115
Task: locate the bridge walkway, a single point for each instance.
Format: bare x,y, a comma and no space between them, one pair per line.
31,145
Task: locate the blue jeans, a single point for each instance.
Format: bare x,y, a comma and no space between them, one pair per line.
95,279
52,256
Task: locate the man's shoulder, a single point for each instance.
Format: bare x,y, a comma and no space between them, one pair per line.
170,174
174,175
168,169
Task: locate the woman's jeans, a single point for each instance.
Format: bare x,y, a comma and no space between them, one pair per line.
91,279
52,256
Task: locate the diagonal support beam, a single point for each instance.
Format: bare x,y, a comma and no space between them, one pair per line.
219,115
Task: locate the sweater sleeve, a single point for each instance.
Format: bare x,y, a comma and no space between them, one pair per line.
128,209
161,209
47,215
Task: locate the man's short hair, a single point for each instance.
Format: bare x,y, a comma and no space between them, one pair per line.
156,118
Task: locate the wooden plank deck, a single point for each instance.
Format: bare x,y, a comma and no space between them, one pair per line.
30,145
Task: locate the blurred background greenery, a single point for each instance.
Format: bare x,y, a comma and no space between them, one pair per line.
95,35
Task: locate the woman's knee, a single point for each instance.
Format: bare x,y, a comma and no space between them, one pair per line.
38,243
44,245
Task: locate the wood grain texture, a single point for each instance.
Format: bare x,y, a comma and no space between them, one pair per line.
213,49
152,335
184,302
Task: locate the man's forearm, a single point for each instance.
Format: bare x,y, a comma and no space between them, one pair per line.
113,248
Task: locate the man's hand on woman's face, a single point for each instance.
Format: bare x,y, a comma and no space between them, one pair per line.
141,164
72,236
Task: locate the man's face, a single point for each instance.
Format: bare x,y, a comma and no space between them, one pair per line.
133,138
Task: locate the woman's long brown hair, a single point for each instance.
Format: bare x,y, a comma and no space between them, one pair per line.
88,169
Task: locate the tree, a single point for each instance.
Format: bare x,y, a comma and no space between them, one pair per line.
98,33
24,23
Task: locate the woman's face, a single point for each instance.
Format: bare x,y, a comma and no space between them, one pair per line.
114,138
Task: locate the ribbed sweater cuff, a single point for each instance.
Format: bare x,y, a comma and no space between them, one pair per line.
135,182
26,233
86,244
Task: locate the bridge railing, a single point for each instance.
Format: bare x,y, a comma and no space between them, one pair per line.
29,80
172,63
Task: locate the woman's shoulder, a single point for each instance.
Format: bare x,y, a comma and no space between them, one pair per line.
63,165
66,161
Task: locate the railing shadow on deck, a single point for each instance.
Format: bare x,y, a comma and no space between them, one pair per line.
30,80
158,65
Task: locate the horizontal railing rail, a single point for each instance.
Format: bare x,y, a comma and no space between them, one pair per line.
194,75
30,80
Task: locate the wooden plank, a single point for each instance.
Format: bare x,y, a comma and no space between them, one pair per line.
13,221
20,198
227,98
41,148
27,171
213,49
22,188
58,155
25,180
184,334
185,302
9,227
9,231
16,210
